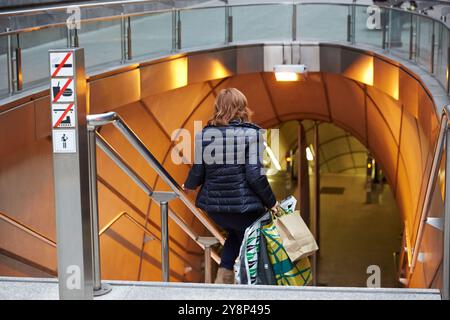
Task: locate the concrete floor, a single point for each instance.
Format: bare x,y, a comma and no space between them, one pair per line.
353,234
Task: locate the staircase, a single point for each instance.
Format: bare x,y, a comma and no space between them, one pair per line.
40,289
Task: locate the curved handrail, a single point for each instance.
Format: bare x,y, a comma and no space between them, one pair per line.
97,120
176,29
431,183
122,14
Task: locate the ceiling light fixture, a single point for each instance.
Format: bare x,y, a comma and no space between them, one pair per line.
289,72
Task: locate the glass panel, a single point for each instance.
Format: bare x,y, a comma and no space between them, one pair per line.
151,34
262,22
35,46
322,22
200,27
400,32
368,25
101,42
440,65
424,37
432,243
3,66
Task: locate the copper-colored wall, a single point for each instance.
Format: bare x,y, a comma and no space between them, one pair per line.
400,133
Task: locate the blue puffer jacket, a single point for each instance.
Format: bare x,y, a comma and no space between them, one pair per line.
232,179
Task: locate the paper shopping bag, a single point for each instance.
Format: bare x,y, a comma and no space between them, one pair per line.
297,240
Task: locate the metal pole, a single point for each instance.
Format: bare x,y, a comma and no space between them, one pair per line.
129,44
228,24
123,40
294,22
99,289
383,26
174,30
446,255
164,240
432,51
207,264
9,58
349,25
303,174
411,38
178,30
19,76
353,21
71,178
316,214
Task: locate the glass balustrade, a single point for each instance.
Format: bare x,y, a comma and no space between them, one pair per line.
262,22
35,46
102,42
424,41
314,22
369,25
442,44
109,42
202,27
151,34
401,30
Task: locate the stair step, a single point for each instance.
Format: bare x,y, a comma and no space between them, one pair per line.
36,288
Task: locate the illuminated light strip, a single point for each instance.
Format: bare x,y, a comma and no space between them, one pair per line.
274,159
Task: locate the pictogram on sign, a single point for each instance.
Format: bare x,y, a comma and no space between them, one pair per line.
61,64
63,115
62,90
64,141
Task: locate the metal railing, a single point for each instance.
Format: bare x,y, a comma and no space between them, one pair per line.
27,229
162,198
106,227
435,212
410,35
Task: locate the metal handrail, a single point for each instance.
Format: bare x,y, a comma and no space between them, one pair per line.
430,187
129,217
139,225
97,120
176,36
27,229
188,8
122,164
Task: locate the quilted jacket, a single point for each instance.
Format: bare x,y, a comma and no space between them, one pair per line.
228,167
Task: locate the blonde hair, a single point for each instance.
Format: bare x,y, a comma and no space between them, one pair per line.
231,104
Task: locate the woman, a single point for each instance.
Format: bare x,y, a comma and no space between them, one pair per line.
234,188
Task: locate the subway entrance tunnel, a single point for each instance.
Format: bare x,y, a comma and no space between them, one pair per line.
400,135
390,107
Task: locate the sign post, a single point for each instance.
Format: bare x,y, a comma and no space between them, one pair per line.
71,173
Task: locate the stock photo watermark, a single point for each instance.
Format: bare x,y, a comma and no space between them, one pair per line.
234,145
74,20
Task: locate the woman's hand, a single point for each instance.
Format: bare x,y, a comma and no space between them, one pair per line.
274,209
185,189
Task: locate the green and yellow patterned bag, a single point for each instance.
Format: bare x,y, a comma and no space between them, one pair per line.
286,272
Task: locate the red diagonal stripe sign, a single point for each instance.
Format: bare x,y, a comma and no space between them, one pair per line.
63,115
55,99
55,73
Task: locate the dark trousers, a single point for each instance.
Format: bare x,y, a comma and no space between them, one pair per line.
234,224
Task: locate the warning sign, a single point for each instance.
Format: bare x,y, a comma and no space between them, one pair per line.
62,90
64,141
63,115
61,64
